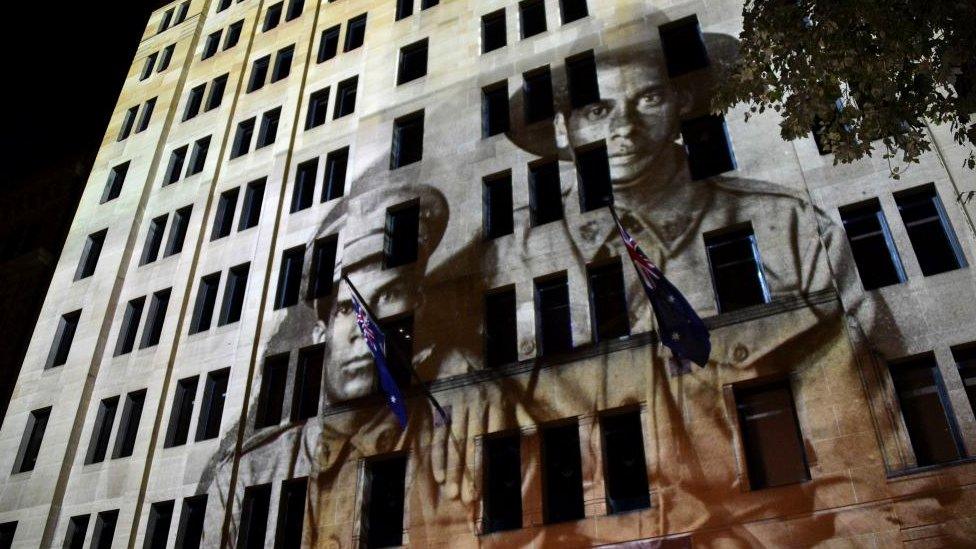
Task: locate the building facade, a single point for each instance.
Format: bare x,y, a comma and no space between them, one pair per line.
197,376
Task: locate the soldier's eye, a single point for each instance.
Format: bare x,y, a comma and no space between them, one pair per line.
650,99
596,111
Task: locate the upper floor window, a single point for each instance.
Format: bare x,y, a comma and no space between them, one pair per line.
708,146
532,14
318,105
272,17
503,483
291,513
537,91
130,326
165,57
295,8
336,165
328,44
160,518
737,274
552,319
253,200
345,102
322,270
771,437
382,523
572,10
501,328
562,477
102,430
222,5
875,255
308,383
404,8
290,277
233,302
684,46
254,516
929,230
116,178
74,537
190,532
304,190
259,72
147,68
65,334
194,101
581,73
608,301
211,44
271,394
497,197
242,139
216,92
104,531
125,440
165,21
624,464
545,193
214,396
402,232
493,31
593,174
269,128
233,34
282,67
413,62
181,412
494,109
90,254
204,306
224,218
408,140
30,443
153,329
926,409
355,32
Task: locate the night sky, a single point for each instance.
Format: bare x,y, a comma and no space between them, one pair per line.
65,63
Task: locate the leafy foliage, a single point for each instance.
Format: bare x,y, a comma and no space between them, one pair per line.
856,71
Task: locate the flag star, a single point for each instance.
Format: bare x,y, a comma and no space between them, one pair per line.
671,299
675,336
392,399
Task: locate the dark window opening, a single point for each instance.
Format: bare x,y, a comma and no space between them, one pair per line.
295,8
737,274
130,325
355,32
593,175
147,112
90,254
102,430
116,178
177,232
30,444
204,306
157,528
497,197
242,139
323,267
199,157
413,62
553,325
63,337
404,8
291,514
175,166
194,101
271,399
181,12
345,102
127,122
318,104
233,35
155,319
493,31
624,465
384,492
222,5
533,16
494,109
251,210
154,239
684,46
125,440
224,218
608,301
214,396
166,57
503,483
254,517
282,66
336,164
233,303
771,437
545,194
501,329
211,45
269,128
272,17
104,532
216,92
148,66
179,421
329,44
965,357
190,532
537,90
562,474
929,230
573,10
167,19
926,409
583,86
77,530
427,4
259,72
399,348
308,383
7,532
707,145
408,140
290,277
402,232
872,246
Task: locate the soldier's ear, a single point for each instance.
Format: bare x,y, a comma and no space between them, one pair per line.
561,132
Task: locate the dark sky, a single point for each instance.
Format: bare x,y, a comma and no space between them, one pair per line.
65,65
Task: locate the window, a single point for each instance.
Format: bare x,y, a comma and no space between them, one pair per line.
291,514
399,348
181,12
130,325
233,35
929,230
222,5
413,62
553,325
402,231
190,532
290,277
157,528
251,210
295,8
62,339
224,219
102,430
624,465
503,483
259,72
345,97
593,175
771,438
242,139
125,441
282,67
154,239
404,8
147,68
562,474
214,395
494,109
355,32
175,166
194,101
497,198
216,92
545,194
89,255
164,23
708,146
177,232
254,517
501,328
329,44
926,409
116,178
127,122
104,532
179,421
408,140
965,357
308,383
684,46
737,275
318,104
155,318
426,4
30,444
211,45
166,57
572,10
269,128
608,301
493,31
272,17
336,163
204,306
383,501
583,86
875,255
533,16
77,530
233,303
537,89
147,112
272,395
323,267
304,190
7,532
199,157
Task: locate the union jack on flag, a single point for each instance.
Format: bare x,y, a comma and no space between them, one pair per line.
376,342
680,327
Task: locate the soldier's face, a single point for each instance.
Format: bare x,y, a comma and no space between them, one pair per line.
637,115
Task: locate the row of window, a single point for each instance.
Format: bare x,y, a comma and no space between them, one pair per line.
194,99
102,535
231,305
198,159
223,5
267,133
272,17
318,103
329,42
532,21
129,121
125,438
404,8
212,43
211,412
169,20
250,209
157,230
133,316
164,57
334,179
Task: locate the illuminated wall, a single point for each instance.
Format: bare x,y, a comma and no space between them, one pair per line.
818,331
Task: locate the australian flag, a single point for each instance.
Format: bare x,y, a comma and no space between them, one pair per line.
681,329
376,342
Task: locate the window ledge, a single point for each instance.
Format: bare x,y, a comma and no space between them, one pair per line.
901,473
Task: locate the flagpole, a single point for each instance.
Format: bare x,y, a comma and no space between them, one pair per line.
404,360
